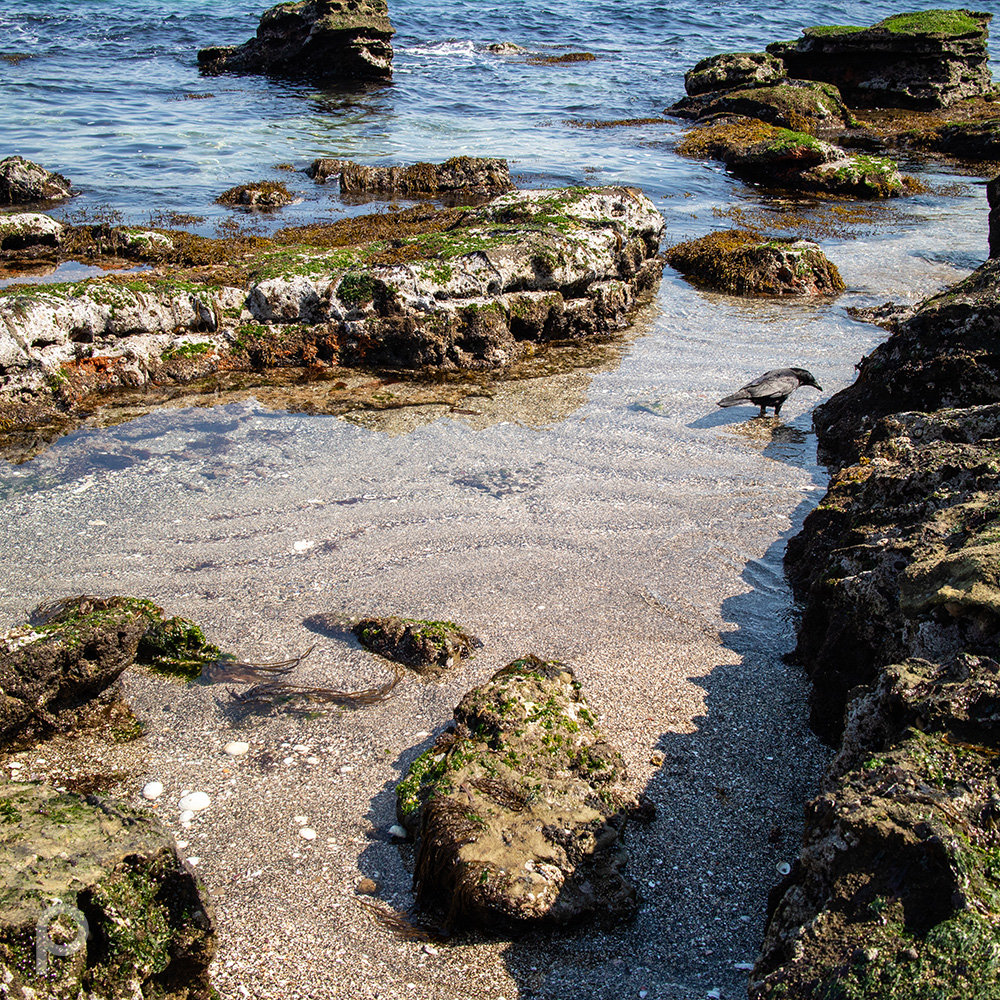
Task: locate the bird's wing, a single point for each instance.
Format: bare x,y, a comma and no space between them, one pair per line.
772,385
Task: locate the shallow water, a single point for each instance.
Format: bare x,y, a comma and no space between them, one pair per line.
614,517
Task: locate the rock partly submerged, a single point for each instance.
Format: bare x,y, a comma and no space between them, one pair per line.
25,183
520,808
317,39
444,289
428,647
747,263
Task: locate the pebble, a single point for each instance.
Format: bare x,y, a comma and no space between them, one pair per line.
236,748
303,546
397,831
194,802
301,820
152,790
367,887
186,817
307,833
783,867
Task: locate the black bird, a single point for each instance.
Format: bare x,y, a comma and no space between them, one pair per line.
771,389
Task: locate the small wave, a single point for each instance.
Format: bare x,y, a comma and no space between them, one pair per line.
451,49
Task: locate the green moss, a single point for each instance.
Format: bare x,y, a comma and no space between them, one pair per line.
786,140
357,288
822,30
187,349
8,813
177,646
932,22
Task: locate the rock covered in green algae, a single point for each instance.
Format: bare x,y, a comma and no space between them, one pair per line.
520,809
429,647
29,229
733,71
902,556
945,355
746,263
465,176
896,893
151,924
73,649
318,39
23,183
930,58
785,159
257,194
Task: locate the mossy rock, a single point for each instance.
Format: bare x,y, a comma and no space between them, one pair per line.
733,71
117,874
745,263
520,808
428,647
259,194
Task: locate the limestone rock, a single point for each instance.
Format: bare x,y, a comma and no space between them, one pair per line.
23,182
428,647
780,158
945,356
29,229
318,40
462,175
745,263
520,809
733,71
928,59
151,925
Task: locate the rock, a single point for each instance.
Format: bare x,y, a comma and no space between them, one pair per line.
482,177
929,59
784,159
744,263
194,802
259,194
505,48
802,105
49,670
976,141
945,356
317,40
29,229
520,809
897,858
993,198
23,183
116,873
733,71
236,748
429,648
899,560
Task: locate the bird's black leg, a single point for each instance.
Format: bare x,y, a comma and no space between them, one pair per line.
763,410
777,408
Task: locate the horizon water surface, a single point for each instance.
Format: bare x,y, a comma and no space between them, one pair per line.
613,517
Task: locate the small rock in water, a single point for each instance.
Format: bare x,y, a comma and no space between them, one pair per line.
152,790
397,831
301,820
783,867
194,802
367,887
303,546
307,833
236,748
186,817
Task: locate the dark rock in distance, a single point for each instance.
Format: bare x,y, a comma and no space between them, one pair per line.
24,183
928,59
428,647
746,263
520,808
316,40
151,924
466,176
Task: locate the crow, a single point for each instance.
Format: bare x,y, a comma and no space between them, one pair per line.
771,389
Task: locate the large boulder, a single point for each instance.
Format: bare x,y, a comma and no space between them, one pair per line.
95,901
520,808
784,159
747,263
928,59
317,39
23,183
946,354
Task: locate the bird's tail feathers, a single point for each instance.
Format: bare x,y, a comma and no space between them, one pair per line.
733,400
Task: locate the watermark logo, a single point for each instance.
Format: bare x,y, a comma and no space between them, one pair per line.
44,943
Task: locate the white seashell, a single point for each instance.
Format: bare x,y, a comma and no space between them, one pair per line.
186,817
783,867
397,831
307,833
303,546
236,748
152,790
301,820
195,801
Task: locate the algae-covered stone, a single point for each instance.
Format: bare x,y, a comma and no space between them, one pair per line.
29,229
115,874
318,39
929,58
429,647
896,893
746,263
258,194
23,182
781,158
520,809
732,71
